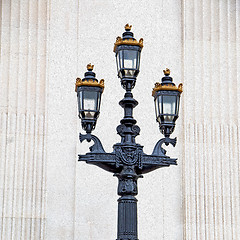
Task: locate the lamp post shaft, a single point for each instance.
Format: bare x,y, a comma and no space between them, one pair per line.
127,186
127,204
127,218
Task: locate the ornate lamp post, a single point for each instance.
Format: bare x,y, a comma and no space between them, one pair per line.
128,161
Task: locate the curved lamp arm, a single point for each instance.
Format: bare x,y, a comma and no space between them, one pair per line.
96,147
158,150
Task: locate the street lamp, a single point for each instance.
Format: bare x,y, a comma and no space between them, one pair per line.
89,93
166,98
128,161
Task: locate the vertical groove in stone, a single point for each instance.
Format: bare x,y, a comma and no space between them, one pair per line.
6,223
36,126
196,192
14,75
238,53
219,211
210,164
1,23
232,106
237,190
237,187
186,187
3,167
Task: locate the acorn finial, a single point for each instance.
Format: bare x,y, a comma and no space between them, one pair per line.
166,72
128,27
90,67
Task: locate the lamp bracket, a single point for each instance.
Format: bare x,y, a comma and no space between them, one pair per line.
158,150
96,147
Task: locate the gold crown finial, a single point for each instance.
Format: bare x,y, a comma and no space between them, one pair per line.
128,27
166,72
90,66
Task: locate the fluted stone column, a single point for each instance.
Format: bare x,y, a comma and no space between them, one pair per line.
211,119
23,81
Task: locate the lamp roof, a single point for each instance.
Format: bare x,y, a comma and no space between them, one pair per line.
127,39
89,79
167,84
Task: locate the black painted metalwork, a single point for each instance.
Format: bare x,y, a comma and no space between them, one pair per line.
128,162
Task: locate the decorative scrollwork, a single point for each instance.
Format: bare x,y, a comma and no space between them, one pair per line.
96,147
121,129
158,150
136,130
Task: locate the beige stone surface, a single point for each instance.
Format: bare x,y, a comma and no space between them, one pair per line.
44,45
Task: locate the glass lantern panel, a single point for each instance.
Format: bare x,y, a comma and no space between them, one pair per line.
130,59
159,105
138,61
90,100
169,104
156,107
117,61
120,60
177,108
99,101
80,99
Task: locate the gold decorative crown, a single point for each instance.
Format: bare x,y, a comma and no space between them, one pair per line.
90,66
128,27
129,41
168,87
90,82
166,72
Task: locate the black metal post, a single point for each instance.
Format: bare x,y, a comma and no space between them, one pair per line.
128,151
127,204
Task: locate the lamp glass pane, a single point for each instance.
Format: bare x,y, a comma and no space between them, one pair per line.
99,101
159,105
80,107
90,104
130,59
177,108
138,62
90,100
120,59
156,107
169,104
117,61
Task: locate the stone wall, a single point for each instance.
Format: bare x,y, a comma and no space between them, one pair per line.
44,45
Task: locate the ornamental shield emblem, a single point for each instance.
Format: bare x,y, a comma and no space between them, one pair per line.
128,155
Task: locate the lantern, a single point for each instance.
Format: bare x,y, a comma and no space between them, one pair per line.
128,53
89,93
167,97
